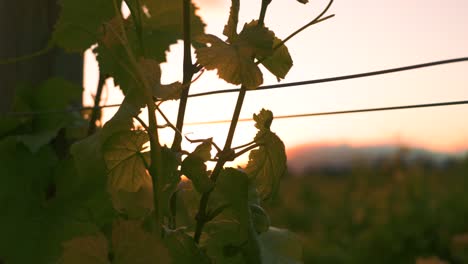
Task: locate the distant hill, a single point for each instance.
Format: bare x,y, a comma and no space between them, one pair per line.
343,157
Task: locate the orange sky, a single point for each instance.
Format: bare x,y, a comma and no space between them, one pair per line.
365,35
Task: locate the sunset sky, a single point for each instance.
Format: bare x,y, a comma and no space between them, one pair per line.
365,35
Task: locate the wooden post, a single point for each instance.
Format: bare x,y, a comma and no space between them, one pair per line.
25,28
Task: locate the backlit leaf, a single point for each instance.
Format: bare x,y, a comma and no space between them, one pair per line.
151,71
204,150
126,165
267,164
280,62
257,38
164,26
230,30
168,91
263,120
234,60
233,66
194,167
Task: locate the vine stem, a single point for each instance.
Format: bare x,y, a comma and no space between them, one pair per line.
202,216
38,53
96,112
188,69
155,167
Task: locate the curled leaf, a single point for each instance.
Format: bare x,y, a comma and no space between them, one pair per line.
204,150
263,120
256,40
195,169
267,164
280,62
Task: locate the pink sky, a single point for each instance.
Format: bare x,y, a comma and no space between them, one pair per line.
365,35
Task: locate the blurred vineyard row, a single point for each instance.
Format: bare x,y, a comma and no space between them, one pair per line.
391,212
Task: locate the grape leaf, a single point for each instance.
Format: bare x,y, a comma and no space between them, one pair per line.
122,120
231,65
86,249
39,139
163,26
233,61
203,150
230,30
134,205
9,124
263,120
80,23
280,62
88,153
114,61
51,95
224,242
43,199
88,158
183,249
151,71
171,91
194,167
267,164
126,165
129,244
279,246
232,189
132,245
257,39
